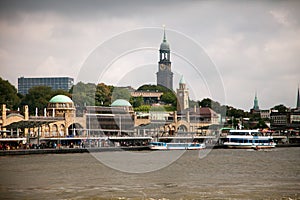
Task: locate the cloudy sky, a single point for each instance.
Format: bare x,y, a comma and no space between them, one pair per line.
226,50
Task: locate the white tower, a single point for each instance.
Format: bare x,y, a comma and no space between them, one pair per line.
182,96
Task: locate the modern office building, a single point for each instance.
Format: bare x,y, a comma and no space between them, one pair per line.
63,83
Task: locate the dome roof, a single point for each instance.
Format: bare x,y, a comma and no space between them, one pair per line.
61,99
120,103
182,80
165,46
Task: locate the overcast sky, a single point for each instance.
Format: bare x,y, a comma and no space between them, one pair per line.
246,46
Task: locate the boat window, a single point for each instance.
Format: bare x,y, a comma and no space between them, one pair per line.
242,133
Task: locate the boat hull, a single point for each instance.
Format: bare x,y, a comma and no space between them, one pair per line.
249,146
157,148
177,146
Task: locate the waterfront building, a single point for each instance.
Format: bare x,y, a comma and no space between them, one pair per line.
165,74
62,109
63,83
59,124
265,114
115,120
149,97
285,120
7,117
279,120
59,120
294,118
195,120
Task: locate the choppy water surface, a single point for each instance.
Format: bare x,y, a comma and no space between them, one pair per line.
223,174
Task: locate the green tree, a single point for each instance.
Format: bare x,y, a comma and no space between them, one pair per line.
236,113
120,93
136,101
280,108
83,94
8,95
261,124
205,102
193,103
169,98
103,95
216,106
142,108
153,88
38,97
61,92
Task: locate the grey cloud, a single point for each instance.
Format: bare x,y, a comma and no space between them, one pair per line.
234,33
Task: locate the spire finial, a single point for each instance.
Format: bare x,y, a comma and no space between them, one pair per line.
165,39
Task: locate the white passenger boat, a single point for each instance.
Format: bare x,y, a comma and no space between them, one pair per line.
248,139
176,146
158,145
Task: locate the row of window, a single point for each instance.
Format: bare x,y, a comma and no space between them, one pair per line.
241,140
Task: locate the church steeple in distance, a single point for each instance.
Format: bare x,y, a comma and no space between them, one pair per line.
298,100
255,106
164,74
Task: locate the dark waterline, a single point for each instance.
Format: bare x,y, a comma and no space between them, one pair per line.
222,174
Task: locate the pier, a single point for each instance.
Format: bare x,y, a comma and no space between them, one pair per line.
114,143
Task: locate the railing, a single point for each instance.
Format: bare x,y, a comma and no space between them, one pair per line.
42,118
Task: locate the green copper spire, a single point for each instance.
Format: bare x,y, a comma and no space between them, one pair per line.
255,107
298,99
164,46
165,39
182,80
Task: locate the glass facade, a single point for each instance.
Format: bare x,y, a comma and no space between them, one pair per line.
63,83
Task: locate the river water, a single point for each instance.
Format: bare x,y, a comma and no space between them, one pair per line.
221,174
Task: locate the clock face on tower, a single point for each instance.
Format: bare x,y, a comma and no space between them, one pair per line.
162,67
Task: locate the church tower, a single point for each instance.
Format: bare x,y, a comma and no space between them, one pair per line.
255,106
298,100
164,74
182,96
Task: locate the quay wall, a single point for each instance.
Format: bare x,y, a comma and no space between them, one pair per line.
102,149
70,150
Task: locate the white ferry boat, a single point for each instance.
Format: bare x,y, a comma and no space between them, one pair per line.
176,146
248,139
